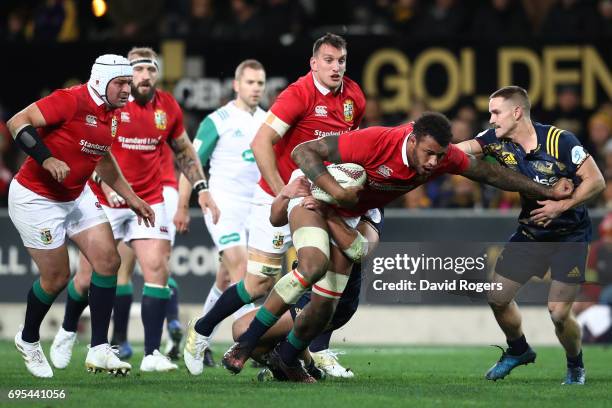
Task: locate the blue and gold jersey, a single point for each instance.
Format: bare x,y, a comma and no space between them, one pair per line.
558,154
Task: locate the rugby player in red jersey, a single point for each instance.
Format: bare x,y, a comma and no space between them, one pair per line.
396,161
145,125
322,102
67,135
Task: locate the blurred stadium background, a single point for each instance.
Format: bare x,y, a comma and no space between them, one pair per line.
408,56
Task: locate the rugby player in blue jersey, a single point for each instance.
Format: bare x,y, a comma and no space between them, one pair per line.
551,234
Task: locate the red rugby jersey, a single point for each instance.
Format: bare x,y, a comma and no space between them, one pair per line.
79,131
168,174
381,151
312,112
142,133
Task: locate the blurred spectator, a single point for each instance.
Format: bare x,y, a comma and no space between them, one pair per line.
247,24
16,24
607,153
570,20
467,112
508,14
460,192
203,21
284,18
604,15
404,15
443,20
417,198
599,130
607,194
568,114
5,174
461,129
136,19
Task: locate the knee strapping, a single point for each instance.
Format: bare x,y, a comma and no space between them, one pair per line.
331,286
291,287
311,237
264,267
358,249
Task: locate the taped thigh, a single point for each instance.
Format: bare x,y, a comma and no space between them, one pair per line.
264,266
314,237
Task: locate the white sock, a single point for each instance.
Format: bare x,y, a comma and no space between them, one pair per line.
214,295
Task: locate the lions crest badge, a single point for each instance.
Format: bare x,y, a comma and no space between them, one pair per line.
348,108
161,120
114,127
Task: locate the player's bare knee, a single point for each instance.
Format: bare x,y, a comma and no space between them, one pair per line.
499,305
559,314
82,282
258,286
312,269
107,262
239,327
55,284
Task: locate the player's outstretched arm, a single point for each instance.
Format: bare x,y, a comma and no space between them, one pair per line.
310,157
23,128
506,179
263,150
109,173
189,164
470,147
592,183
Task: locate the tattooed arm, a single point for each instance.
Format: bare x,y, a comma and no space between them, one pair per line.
309,156
189,164
506,179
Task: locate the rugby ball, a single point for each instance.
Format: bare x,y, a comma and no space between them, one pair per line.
346,174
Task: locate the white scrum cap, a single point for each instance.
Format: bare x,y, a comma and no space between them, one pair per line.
106,68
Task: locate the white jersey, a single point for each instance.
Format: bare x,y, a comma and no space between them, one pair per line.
224,138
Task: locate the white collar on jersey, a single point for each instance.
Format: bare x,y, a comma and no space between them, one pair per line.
94,96
404,157
324,90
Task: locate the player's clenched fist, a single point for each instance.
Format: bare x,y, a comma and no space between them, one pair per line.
58,169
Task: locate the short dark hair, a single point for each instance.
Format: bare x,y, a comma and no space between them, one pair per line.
517,94
334,40
433,124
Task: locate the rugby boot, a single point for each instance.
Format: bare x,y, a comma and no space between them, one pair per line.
34,357
156,362
209,361
195,348
508,362
61,349
103,358
295,373
234,358
575,375
327,360
173,345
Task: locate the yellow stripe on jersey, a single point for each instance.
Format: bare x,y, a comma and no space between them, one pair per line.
556,142
548,144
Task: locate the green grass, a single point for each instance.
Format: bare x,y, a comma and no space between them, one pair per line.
386,377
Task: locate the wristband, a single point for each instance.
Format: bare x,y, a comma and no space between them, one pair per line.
96,178
200,186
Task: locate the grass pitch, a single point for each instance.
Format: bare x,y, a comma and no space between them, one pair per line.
385,377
